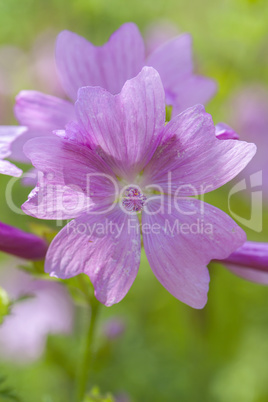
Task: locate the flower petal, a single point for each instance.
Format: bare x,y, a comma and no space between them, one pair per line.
42,114
51,200
225,132
25,245
82,64
194,90
180,240
23,333
191,160
29,178
8,135
249,274
107,250
124,129
9,169
251,254
173,61
250,261
17,154
37,110
73,178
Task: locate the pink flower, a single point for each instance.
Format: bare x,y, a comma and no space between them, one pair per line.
49,310
114,328
225,132
119,159
250,262
82,64
249,115
21,244
172,60
8,135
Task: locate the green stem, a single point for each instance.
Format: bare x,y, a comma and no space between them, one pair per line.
87,358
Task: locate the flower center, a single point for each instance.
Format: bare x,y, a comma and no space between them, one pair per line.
133,200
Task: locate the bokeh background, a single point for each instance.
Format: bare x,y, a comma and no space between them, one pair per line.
166,351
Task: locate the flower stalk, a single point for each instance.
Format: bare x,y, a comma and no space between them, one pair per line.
85,367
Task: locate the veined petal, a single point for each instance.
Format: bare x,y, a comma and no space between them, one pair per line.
173,61
17,154
9,169
8,135
21,244
37,110
74,178
50,200
180,240
74,133
125,129
190,160
82,64
42,114
107,249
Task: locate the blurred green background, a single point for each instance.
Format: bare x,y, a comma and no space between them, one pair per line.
168,352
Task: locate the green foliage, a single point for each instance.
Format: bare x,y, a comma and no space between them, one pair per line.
95,396
4,304
169,352
7,394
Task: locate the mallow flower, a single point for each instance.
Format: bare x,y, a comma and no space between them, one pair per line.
21,244
80,63
250,262
8,134
225,132
119,161
45,308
